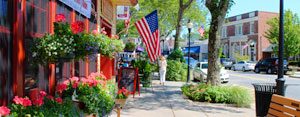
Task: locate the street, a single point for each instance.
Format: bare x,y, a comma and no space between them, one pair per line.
248,78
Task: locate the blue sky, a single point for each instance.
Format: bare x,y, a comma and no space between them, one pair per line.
244,6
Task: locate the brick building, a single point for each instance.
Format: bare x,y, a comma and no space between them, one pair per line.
244,34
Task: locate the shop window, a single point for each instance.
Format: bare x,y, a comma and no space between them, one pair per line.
36,25
5,51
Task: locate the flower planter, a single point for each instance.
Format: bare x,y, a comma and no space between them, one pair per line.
120,102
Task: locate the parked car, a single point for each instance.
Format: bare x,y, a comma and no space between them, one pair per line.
243,66
200,73
227,63
270,65
193,62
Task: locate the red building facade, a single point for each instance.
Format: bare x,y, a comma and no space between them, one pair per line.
21,21
244,34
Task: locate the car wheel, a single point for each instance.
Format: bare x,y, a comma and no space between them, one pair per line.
256,70
244,70
269,71
233,68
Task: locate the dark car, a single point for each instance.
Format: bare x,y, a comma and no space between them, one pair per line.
270,65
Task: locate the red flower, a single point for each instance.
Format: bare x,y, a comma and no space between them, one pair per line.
75,85
77,27
50,97
4,111
59,100
61,87
26,102
60,18
43,93
38,102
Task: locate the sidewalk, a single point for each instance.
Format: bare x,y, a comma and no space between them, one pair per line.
167,101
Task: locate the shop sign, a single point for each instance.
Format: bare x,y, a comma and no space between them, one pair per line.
123,12
81,6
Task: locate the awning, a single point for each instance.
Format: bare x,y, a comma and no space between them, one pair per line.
195,49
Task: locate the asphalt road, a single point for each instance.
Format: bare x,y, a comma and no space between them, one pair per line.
248,78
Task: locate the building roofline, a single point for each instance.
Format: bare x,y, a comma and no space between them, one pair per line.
253,11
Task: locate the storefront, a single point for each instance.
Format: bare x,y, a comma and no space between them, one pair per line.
21,21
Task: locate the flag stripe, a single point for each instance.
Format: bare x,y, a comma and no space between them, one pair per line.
145,39
149,32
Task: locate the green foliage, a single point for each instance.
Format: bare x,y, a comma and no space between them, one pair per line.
291,34
239,57
177,54
218,94
176,71
52,108
145,68
130,46
167,15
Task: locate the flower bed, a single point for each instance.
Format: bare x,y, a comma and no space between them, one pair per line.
218,94
92,95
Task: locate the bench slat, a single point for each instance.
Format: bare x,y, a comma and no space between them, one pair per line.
284,109
286,101
277,113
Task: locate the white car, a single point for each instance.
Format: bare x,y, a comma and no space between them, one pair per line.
200,73
244,66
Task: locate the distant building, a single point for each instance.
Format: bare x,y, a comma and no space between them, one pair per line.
244,34
198,50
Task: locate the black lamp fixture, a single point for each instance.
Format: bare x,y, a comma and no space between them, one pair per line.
189,26
280,79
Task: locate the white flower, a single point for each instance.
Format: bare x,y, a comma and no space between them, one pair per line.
55,53
34,54
49,53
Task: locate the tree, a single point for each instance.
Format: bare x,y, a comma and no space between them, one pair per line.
218,10
167,12
291,34
182,8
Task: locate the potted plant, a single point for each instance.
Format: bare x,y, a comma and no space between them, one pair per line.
92,95
122,96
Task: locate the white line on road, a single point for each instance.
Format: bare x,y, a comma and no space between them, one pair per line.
249,77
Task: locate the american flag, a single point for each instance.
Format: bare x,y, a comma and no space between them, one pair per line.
201,30
148,29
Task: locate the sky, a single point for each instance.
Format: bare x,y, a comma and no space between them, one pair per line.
244,6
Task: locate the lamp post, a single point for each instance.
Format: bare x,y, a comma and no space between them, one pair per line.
280,79
190,26
163,46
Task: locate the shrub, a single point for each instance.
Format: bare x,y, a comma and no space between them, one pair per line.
218,94
130,46
176,71
176,55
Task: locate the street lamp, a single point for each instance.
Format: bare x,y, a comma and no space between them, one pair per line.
163,46
280,79
189,26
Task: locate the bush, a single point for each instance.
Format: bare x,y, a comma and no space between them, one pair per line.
218,94
176,71
294,63
130,46
176,55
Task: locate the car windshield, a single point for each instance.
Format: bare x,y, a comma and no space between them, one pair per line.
204,66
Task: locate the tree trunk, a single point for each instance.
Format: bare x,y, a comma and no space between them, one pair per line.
213,76
218,10
178,28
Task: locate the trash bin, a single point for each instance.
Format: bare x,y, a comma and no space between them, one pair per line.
263,95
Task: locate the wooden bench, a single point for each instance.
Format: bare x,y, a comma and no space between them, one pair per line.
283,107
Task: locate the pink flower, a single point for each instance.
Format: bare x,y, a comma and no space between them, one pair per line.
61,87
4,111
18,100
59,100
95,32
74,79
66,82
50,97
60,18
77,27
43,93
38,102
103,31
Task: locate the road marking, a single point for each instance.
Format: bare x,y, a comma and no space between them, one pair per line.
249,77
